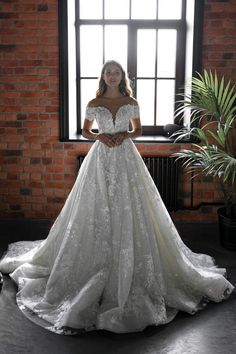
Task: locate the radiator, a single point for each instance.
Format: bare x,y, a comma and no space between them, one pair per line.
165,172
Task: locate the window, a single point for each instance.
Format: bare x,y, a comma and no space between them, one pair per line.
157,42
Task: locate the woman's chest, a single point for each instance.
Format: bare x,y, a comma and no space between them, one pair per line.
113,120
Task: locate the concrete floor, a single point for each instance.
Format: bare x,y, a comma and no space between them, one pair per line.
211,331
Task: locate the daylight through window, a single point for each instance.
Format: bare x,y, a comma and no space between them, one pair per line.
153,42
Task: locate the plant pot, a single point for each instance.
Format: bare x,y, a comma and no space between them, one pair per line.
227,227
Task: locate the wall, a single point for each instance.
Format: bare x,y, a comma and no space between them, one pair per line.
219,39
36,170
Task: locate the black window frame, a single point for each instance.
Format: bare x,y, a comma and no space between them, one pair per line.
148,131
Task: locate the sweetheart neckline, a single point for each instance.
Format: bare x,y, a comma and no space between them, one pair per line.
113,117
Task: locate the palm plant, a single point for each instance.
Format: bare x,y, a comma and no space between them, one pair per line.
212,104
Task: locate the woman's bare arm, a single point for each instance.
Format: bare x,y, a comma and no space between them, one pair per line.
136,128
87,133
87,130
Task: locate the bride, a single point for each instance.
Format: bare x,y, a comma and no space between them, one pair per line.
113,259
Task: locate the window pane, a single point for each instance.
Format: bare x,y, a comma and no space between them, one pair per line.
88,92
166,53
90,9
116,44
169,9
145,97
141,10
165,101
90,55
146,53
117,9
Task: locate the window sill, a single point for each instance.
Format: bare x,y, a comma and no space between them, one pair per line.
142,139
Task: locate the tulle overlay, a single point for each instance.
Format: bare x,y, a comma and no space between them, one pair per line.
113,259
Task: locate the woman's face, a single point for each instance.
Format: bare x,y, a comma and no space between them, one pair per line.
112,75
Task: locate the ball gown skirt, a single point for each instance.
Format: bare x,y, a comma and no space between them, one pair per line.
113,258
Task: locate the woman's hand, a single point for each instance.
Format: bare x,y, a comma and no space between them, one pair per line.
106,139
112,140
118,138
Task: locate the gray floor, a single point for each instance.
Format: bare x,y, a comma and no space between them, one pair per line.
211,331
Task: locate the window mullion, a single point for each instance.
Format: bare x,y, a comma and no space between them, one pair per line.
64,79
103,43
184,5
78,76
155,87
103,9
132,56
180,60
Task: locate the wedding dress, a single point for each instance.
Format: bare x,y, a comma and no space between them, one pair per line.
113,259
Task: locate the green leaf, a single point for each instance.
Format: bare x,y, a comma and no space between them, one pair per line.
221,90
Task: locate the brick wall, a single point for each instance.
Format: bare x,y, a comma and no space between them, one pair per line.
36,170
219,40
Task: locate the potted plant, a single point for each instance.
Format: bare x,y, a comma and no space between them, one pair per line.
212,104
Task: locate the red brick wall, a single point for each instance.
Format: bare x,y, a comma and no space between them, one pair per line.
36,170
219,40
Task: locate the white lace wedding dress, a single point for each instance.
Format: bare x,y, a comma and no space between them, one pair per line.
113,259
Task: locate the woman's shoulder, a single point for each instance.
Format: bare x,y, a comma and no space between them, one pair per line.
131,100
93,103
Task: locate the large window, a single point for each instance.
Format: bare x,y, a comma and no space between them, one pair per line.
155,41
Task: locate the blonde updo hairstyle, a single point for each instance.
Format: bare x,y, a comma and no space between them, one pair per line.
124,86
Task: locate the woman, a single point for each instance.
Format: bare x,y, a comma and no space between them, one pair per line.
113,259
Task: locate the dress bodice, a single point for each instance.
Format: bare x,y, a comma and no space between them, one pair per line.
112,115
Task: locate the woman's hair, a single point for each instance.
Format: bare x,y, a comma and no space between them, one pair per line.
124,86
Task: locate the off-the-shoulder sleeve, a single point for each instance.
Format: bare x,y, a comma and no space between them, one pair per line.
135,111
90,113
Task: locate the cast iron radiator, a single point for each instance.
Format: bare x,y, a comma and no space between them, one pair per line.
165,174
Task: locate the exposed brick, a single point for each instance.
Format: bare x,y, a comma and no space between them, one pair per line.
25,191
228,55
55,185
8,15
11,152
12,168
12,176
46,160
43,7
24,176
35,160
36,199
36,176
35,184
15,207
55,200
37,208
37,191
58,176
